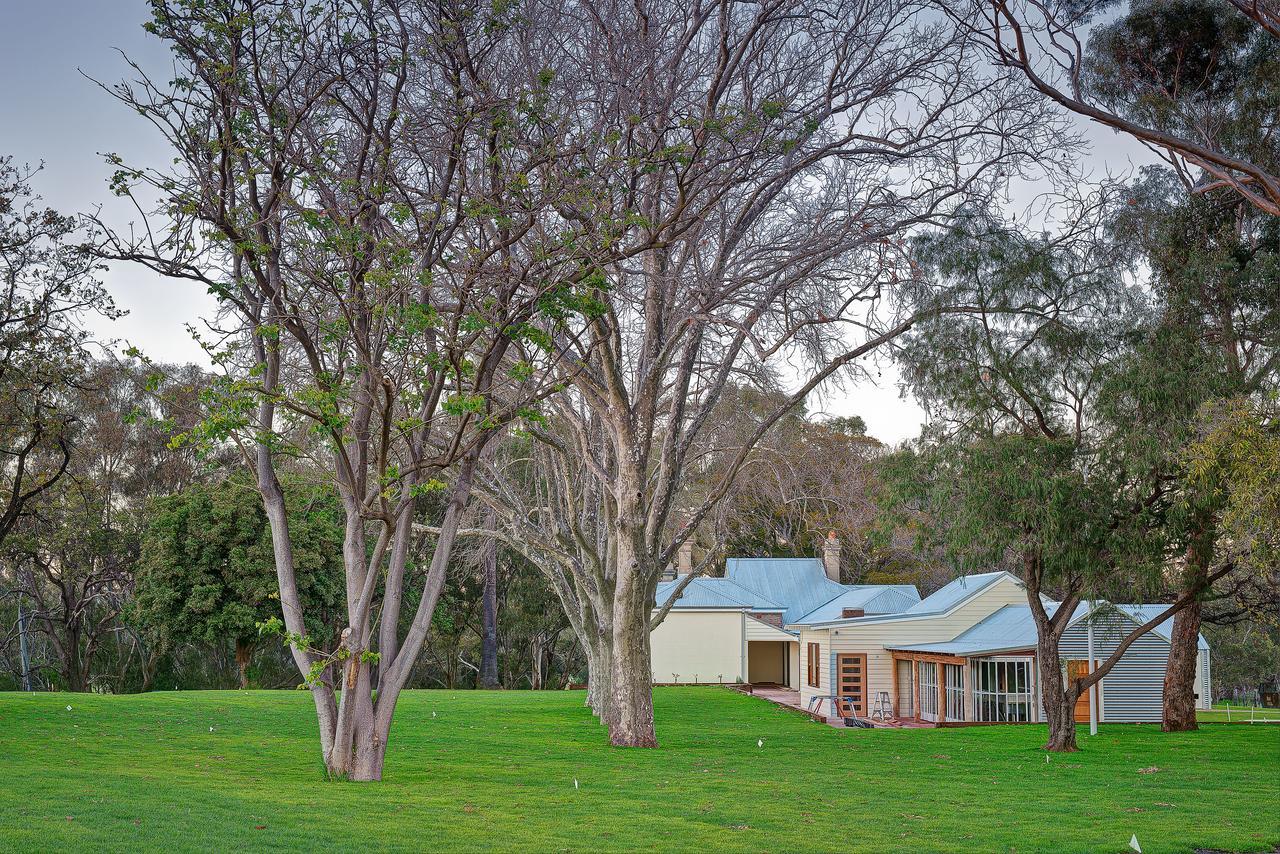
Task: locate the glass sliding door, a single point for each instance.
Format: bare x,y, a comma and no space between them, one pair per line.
928,690
953,674
1002,689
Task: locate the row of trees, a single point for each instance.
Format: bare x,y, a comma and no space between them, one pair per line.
507,271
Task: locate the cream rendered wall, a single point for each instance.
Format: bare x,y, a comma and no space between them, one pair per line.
797,674
873,637
699,646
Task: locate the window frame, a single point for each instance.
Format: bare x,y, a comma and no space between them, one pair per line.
813,656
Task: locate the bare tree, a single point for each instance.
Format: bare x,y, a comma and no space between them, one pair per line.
364,188
755,168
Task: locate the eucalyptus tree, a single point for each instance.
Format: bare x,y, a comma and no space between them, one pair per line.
751,171
48,288
1195,81
365,188
1052,438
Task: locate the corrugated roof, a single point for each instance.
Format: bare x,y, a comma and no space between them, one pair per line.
1012,627
950,595
704,592
871,598
798,587
800,584
1141,614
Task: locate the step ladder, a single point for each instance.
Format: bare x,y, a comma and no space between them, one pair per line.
882,709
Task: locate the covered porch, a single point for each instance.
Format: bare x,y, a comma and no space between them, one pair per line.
951,689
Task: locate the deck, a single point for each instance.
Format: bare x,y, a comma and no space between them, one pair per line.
790,698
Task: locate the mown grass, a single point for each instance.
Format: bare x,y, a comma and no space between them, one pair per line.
1230,713
473,770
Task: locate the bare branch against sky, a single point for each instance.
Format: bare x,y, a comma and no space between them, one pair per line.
51,52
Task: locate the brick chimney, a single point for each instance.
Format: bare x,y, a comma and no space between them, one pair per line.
684,558
831,556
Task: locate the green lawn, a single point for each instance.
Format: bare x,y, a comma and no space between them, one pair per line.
495,772
1218,714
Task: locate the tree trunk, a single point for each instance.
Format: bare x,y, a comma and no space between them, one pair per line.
489,611
244,652
631,690
1059,699
74,665
1180,675
599,669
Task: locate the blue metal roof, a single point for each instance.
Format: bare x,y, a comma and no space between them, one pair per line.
704,592
1012,627
952,594
801,584
799,587
871,598
1142,613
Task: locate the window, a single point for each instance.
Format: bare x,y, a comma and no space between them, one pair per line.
1002,689
929,690
954,676
815,665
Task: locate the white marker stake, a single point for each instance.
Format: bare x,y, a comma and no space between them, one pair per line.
1093,706
1133,843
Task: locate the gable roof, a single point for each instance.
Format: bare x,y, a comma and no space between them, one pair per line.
801,584
953,593
871,598
704,592
1013,628
939,602
798,587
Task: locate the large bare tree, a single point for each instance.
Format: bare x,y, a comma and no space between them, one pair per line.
365,189
750,171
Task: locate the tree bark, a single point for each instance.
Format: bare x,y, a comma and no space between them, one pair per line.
1180,675
489,611
630,716
244,652
1058,697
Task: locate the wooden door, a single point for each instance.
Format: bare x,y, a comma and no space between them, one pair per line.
1076,670
851,682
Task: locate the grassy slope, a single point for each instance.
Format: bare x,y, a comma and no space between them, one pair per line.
496,770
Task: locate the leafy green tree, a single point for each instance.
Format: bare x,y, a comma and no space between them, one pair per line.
207,572
1196,81
1055,442
48,286
1214,264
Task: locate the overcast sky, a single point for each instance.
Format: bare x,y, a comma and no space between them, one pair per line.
51,113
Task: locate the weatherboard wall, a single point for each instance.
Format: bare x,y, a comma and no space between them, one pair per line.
873,636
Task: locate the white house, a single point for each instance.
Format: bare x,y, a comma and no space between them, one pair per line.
741,628
965,654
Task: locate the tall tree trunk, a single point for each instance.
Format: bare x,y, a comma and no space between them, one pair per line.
489,611
631,689
1059,698
1180,675
244,652
599,649
74,665
535,663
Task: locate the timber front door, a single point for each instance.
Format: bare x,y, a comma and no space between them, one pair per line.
851,682
1075,670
